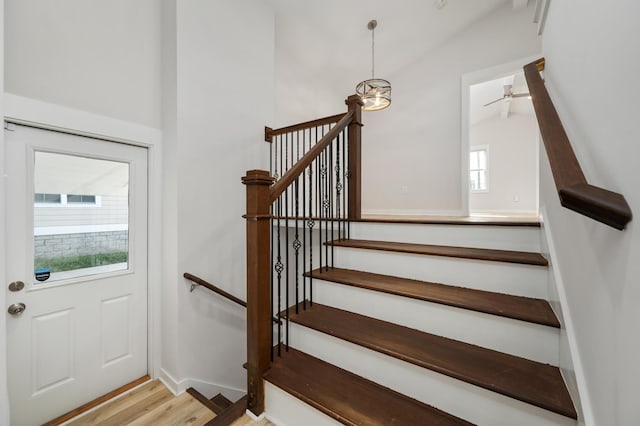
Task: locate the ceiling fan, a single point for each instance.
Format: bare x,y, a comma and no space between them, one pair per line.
508,94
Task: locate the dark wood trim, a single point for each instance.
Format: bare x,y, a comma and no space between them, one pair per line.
205,401
230,414
574,191
221,401
436,220
215,289
529,381
258,228
303,163
493,255
92,404
536,311
355,156
270,133
348,398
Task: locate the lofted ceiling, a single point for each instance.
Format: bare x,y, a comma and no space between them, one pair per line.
335,32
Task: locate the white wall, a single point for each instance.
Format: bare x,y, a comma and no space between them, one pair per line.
588,46
512,148
421,129
100,57
4,396
416,142
214,133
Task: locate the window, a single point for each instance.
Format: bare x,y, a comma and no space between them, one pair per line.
48,198
478,169
84,199
66,200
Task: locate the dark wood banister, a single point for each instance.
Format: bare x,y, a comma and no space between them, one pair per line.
298,168
215,289
269,133
574,191
260,194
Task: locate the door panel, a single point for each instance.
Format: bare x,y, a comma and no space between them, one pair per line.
84,330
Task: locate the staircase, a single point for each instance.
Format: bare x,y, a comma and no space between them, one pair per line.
422,323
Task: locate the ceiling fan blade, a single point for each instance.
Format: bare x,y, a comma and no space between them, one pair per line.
493,102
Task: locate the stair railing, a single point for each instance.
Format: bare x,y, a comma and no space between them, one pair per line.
308,197
574,191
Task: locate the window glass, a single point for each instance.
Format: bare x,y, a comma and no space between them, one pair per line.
478,170
73,242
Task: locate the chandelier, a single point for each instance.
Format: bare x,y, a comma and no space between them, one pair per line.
374,92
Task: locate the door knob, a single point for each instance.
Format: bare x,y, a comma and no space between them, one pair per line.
16,286
16,309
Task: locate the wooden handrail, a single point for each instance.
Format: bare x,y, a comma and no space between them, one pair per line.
574,191
215,289
298,168
269,133
261,192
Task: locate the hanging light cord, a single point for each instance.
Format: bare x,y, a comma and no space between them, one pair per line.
373,51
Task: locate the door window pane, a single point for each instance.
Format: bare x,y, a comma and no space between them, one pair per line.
83,237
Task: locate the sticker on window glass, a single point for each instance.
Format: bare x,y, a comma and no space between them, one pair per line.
43,274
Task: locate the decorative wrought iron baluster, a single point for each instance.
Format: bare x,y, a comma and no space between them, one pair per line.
320,202
286,245
331,199
279,267
338,192
310,225
296,242
304,220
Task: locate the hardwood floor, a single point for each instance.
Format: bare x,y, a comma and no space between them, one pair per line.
151,404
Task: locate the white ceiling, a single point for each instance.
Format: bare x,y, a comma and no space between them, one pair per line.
483,93
335,31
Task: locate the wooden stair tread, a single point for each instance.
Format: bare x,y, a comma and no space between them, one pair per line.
205,401
528,381
508,256
231,413
532,310
453,220
221,401
348,398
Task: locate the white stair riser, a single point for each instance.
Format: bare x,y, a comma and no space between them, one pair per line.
453,396
532,341
500,277
284,409
495,237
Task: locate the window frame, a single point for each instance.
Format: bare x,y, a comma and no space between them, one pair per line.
476,148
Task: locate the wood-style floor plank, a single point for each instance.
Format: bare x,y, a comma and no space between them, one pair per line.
100,400
128,407
528,381
178,411
536,311
348,398
508,256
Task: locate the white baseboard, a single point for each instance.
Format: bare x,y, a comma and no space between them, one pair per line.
206,388
410,212
573,374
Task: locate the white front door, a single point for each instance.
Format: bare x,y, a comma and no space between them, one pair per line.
77,240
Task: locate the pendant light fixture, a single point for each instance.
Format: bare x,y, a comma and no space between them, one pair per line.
374,92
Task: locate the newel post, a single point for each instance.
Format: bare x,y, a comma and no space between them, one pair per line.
355,156
258,218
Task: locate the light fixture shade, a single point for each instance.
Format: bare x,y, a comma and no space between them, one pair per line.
375,93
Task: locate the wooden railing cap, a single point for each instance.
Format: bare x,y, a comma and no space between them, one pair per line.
258,177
